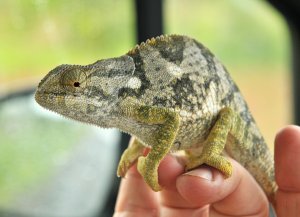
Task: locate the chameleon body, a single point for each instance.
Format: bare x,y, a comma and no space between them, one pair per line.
170,93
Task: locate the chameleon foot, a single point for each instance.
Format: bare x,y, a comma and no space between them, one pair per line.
129,157
149,172
123,167
217,161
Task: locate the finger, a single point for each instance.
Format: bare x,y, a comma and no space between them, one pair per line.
237,195
287,158
135,197
171,201
287,172
169,170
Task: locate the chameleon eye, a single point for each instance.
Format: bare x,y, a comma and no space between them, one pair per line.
74,80
76,84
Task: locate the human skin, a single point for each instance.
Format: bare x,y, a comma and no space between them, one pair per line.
205,192
287,171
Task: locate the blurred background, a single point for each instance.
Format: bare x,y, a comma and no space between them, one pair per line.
51,166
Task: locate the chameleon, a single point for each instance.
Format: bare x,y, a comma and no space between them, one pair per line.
171,94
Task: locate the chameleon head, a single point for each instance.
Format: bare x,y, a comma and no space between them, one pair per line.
86,93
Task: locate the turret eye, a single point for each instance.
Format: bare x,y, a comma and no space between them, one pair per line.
74,80
76,84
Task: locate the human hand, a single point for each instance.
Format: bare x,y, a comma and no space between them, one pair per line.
287,172
204,191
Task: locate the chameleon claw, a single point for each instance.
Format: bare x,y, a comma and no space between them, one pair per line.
217,161
123,168
129,157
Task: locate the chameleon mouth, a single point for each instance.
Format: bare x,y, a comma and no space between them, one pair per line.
48,100
39,98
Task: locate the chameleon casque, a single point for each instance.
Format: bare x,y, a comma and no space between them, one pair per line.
170,93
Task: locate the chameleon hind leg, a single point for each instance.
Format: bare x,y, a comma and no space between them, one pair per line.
129,156
167,123
215,144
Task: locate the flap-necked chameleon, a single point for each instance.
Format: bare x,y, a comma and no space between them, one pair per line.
170,93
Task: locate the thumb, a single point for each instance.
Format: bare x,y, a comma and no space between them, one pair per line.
287,164
232,196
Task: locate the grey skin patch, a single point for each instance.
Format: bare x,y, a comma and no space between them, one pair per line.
230,96
140,74
91,109
111,67
97,92
208,56
174,51
182,88
211,80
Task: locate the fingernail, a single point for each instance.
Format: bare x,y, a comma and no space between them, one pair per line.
202,172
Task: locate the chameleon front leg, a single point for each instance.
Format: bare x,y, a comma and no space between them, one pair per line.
167,123
129,156
215,144
148,166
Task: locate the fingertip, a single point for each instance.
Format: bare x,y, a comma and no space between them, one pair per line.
131,190
287,161
204,172
288,134
200,186
287,174
169,169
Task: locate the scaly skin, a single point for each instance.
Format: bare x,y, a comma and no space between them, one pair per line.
170,93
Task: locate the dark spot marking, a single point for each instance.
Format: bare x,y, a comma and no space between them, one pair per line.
182,88
227,99
208,56
230,95
173,51
159,101
210,80
126,91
